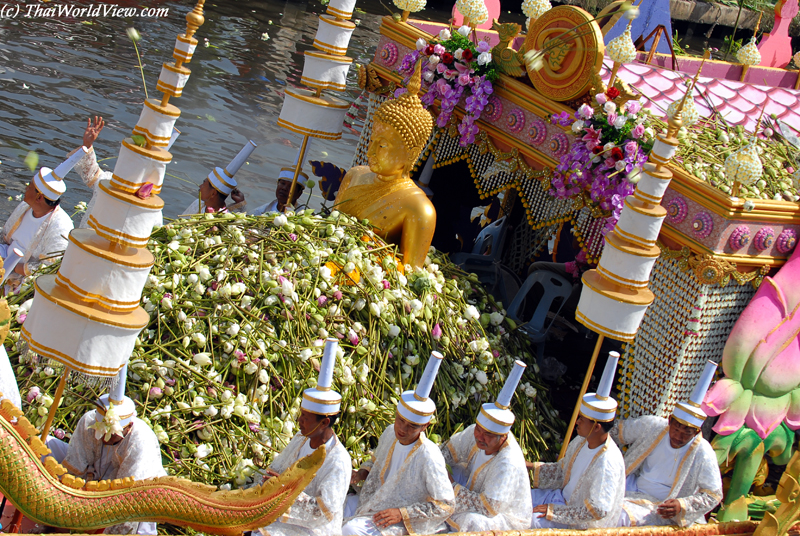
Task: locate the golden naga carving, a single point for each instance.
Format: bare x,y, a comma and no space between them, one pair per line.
789,495
34,489
383,191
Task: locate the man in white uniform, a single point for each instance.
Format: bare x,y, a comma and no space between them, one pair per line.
282,192
110,442
90,171
319,509
406,488
492,484
220,184
673,476
584,489
37,229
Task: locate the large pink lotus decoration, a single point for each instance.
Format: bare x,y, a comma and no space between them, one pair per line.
761,360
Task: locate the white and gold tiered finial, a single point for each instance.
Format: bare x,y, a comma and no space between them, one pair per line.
87,315
308,112
621,50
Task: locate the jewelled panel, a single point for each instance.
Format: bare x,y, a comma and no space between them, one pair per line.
687,324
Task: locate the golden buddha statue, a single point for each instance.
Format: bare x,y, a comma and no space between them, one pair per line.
383,192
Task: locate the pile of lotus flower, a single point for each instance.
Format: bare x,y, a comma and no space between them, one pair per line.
239,309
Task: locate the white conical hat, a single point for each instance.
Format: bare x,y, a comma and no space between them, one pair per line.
689,412
222,179
50,182
600,406
416,406
287,173
497,418
321,399
123,406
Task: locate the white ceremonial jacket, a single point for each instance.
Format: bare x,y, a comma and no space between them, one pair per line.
91,175
697,484
597,499
320,507
137,455
421,488
50,237
498,493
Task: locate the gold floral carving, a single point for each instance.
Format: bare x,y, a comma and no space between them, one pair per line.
710,270
574,51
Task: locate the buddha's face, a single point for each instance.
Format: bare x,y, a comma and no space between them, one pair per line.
387,154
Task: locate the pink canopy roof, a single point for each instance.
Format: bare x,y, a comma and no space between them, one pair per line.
738,103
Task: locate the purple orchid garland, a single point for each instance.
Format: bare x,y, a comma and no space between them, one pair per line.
604,161
453,66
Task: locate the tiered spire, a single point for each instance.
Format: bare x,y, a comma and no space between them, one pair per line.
308,112
615,296
87,316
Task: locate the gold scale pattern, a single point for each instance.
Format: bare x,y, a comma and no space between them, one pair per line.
34,489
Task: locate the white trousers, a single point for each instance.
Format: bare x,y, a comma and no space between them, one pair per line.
546,496
360,526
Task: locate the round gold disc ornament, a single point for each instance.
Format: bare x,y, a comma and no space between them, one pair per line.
573,49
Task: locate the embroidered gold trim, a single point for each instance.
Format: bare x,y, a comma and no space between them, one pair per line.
485,502
591,509
327,513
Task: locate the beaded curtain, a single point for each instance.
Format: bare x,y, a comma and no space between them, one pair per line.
687,324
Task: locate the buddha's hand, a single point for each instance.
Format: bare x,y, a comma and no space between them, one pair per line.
761,360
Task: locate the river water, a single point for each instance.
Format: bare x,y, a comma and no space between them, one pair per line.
56,72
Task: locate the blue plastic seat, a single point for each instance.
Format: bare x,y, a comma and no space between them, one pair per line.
554,287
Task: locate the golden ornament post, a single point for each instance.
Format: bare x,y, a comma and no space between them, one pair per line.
584,387
56,400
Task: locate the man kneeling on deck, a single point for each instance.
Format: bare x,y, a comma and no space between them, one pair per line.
318,510
584,489
407,490
492,484
673,477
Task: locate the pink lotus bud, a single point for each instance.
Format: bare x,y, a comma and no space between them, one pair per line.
145,191
321,300
338,294
33,394
436,332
